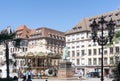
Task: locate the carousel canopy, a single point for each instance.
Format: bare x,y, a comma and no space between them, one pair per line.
38,51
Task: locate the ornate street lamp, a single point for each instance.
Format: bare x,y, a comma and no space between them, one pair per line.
102,32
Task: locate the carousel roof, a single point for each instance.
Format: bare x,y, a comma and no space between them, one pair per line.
38,51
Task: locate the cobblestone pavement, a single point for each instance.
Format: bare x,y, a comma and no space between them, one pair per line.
55,79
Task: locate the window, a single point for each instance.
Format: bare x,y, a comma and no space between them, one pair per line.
83,61
78,54
77,46
82,46
105,51
89,51
99,50
111,50
116,14
68,47
118,23
79,27
78,62
89,45
68,53
99,61
83,52
94,51
117,49
116,59
94,44
94,61
77,38
1,53
50,35
82,37
89,61
105,60
73,53
111,60
73,47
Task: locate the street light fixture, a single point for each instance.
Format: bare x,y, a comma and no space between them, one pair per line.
99,35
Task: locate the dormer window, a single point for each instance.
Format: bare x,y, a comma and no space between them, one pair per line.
90,20
116,14
50,35
54,36
74,28
79,27
110,15
57,37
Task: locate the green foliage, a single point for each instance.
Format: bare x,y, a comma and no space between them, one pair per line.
115,72
5,36
116,38
17,42
117,34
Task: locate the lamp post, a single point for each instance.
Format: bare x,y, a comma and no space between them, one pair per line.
102,32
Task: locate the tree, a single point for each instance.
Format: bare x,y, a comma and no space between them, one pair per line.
116,70
7,36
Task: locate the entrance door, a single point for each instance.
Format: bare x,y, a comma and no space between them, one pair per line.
106,71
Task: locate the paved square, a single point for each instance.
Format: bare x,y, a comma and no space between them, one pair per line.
89,79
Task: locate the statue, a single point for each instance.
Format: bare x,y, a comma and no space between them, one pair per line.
65,68
65,53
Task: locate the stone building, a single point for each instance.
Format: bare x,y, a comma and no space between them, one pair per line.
43,49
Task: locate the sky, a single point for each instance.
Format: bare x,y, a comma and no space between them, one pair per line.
60,15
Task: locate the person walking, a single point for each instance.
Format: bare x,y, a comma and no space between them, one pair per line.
29,78
24,78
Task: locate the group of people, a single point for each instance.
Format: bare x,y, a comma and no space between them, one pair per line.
15,78
27,75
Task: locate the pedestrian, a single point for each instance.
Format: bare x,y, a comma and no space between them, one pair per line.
0,73
15,78
30,73
39,75
24,78
87,76
29,78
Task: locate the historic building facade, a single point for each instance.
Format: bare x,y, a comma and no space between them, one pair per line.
42,50
84,53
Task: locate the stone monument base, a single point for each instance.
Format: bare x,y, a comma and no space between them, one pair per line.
65,70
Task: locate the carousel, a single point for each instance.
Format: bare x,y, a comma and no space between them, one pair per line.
38,61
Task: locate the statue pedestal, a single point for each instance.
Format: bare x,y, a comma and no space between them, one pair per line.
65,70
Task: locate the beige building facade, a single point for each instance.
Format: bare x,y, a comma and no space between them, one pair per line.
84,53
